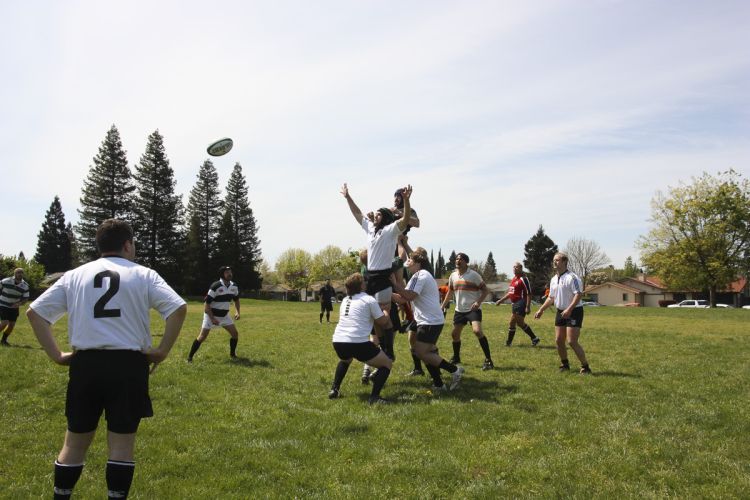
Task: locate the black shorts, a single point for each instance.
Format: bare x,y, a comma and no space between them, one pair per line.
519,308
378,281
113,382
326,306
412,326
429,334
575,320
9,314
361,351
460,318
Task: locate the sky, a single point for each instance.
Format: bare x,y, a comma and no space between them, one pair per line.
503,116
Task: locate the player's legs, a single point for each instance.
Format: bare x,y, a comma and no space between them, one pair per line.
511,330
412,336
6,327
338,377
322,309
526,328
476,327
385,333
428,352
70,460
202,336
456,341
572,334
384,364
234,338
562,349
121,464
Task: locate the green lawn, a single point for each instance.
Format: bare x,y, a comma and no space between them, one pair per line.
666,414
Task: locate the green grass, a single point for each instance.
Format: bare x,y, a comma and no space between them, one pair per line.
666,414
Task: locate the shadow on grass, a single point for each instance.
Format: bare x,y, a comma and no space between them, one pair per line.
469,391
249,363
513,369
20,346
616,374
538,346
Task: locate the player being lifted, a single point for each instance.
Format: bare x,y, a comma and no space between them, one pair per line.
216,312
519,293
382,238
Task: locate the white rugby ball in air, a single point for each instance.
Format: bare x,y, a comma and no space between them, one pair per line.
220,147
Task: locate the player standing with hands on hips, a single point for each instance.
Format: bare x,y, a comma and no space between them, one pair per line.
108,302
565,292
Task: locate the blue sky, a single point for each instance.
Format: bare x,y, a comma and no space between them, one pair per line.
502,115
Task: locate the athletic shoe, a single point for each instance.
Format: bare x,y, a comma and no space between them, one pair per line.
456,377
334,394
190,360
535,341
455,360
5,343
585,370
488,365
439,390
415,373
508,344
377,400
564,368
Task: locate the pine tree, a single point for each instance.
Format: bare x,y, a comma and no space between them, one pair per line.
53,247
440,266
539,251
159,215
451,265
489,273
246,257
107,193
204,213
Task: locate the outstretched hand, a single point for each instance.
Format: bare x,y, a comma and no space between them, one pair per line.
406,192
345,190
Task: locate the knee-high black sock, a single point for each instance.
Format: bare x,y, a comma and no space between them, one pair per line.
339,375
119,476
434,372
5,337
328,316
321,317
196,345
233,346
379,381
457,349
485,347
66,477
447,366
417,361
528,331
387,343
511,334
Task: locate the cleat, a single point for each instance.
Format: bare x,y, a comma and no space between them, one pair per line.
535,341
456,377
5,343
415,373
377,400
439,390
488,365
564,368
455,360
334,394
509,343
585,370
190,360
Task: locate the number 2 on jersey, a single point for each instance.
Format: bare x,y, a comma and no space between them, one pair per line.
114,286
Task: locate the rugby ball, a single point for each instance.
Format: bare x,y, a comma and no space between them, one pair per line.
220,147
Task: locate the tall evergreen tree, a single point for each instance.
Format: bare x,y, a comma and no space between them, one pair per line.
107,192
246,257
440,265
159,215
451,265
53,247
205,216
539,251
489,273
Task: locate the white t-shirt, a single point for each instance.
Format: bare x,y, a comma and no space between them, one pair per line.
108,302
357,316
563,289
381,245
466,288
427,309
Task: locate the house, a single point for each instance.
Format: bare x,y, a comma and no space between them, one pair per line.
613,293
276,292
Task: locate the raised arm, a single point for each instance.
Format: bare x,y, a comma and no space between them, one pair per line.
356,212
404,220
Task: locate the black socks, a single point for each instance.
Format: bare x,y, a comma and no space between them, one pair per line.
119,477
66,477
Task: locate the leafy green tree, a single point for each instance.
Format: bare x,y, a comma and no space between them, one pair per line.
158,223
330,263
700,237
107,193
489,272
205,217
245,255
294,268
539,251
54,247
33,272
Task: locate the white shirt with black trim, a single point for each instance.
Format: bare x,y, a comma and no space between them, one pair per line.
563,289
426,305
381,245
11,293
219,295
108,302
357,316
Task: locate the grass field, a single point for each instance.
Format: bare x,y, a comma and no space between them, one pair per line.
666,414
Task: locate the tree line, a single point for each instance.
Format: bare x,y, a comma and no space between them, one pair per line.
186,245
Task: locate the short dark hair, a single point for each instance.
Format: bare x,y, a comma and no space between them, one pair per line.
112,234
419,258
222,269
462,256
353,284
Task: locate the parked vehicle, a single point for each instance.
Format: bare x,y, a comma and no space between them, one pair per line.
725,306
702,304
746,307
590,303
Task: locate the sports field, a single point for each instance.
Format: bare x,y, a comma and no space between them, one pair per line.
666,414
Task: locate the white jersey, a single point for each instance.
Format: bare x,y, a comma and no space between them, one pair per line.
563,289
108,302
381,245
427,309
467,288
11,293
357,316
219,295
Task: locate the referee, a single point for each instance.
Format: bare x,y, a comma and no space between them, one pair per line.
108,302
